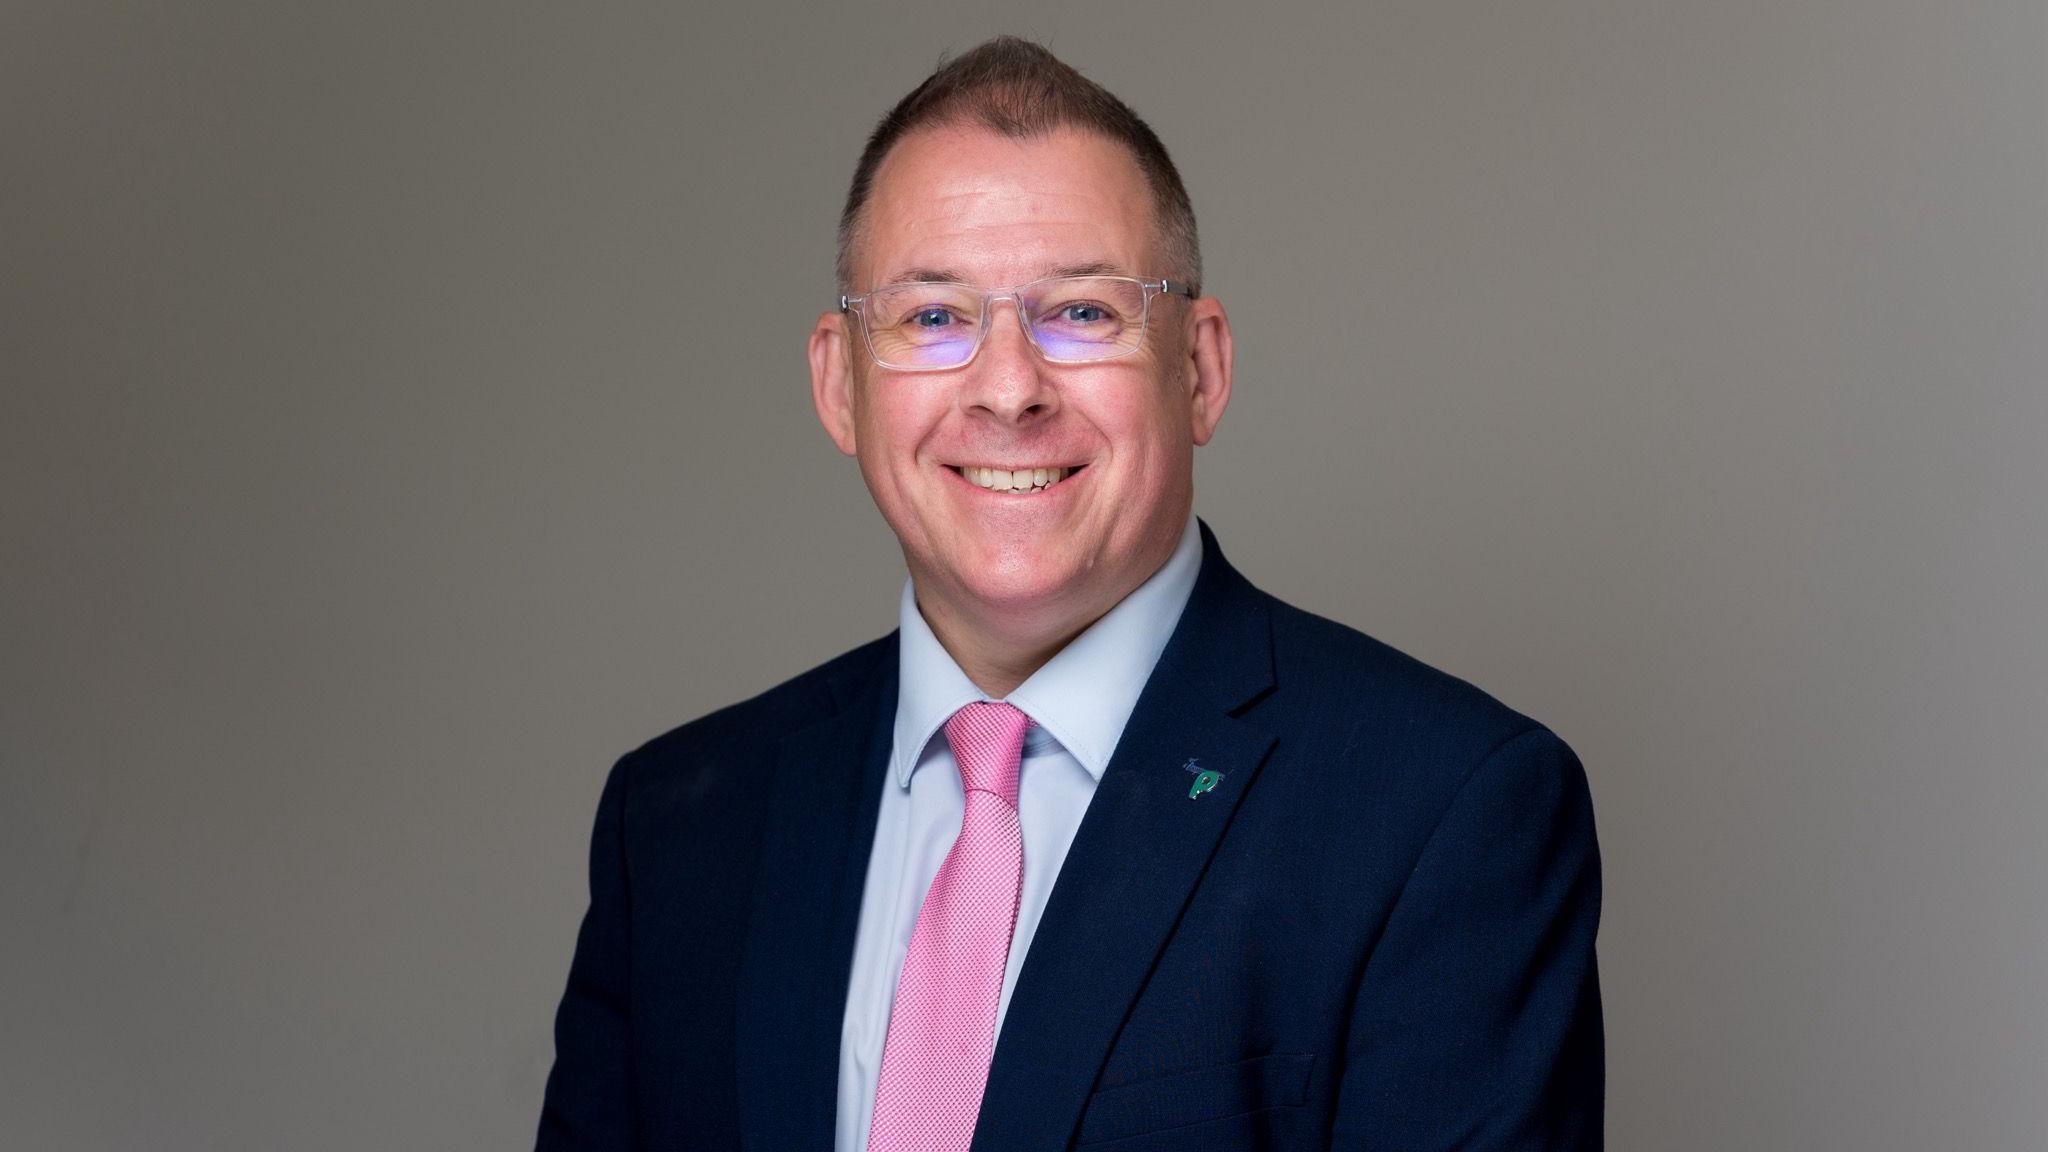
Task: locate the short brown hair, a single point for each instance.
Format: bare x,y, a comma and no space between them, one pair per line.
1017,88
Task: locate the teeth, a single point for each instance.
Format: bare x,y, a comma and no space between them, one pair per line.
1016,479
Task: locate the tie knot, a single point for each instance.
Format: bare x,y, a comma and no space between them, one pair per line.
988,741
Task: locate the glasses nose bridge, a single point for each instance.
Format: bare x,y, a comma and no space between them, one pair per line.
1015,295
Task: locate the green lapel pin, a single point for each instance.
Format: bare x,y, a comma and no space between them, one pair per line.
1205,778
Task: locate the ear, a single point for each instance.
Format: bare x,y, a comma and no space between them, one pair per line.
832,379
1209,365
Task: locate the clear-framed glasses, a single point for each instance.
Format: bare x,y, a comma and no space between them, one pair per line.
918,327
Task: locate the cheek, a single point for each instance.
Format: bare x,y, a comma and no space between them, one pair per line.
881,416
895,420
1147,418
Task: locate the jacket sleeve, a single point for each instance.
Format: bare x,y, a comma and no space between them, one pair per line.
1476,1024
588,1105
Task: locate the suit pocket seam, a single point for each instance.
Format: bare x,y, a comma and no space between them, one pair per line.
1103,1141
1274,1081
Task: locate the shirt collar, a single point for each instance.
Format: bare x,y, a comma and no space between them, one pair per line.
1082,697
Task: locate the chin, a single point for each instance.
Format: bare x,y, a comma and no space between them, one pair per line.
1015,577
1023,588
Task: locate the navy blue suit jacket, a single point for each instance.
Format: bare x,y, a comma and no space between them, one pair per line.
1376,932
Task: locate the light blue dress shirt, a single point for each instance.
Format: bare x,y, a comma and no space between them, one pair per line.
1080,699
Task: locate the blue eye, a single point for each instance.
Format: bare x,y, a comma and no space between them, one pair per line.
931,317
1084,313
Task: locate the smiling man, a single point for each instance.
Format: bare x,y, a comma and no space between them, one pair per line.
1103,846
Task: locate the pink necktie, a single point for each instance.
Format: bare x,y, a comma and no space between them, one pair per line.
942,1028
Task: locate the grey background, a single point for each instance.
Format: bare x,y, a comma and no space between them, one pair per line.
405,413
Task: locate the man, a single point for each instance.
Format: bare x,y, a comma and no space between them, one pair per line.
1103,847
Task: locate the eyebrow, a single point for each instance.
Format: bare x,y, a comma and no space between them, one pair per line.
922,275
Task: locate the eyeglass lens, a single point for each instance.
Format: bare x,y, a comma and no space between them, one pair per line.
1076,318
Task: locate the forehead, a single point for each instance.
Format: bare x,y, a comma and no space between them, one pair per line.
993,209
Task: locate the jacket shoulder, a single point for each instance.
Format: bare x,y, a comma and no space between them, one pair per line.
1391,699
1376,730
787,706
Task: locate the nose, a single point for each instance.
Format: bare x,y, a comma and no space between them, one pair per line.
1008,379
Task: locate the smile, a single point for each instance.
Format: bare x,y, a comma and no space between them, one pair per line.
1032,479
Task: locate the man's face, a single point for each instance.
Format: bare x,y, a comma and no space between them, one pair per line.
966,204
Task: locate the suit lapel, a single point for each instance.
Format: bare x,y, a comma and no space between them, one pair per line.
1135,860
792,992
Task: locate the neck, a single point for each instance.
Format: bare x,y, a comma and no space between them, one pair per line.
1000,651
